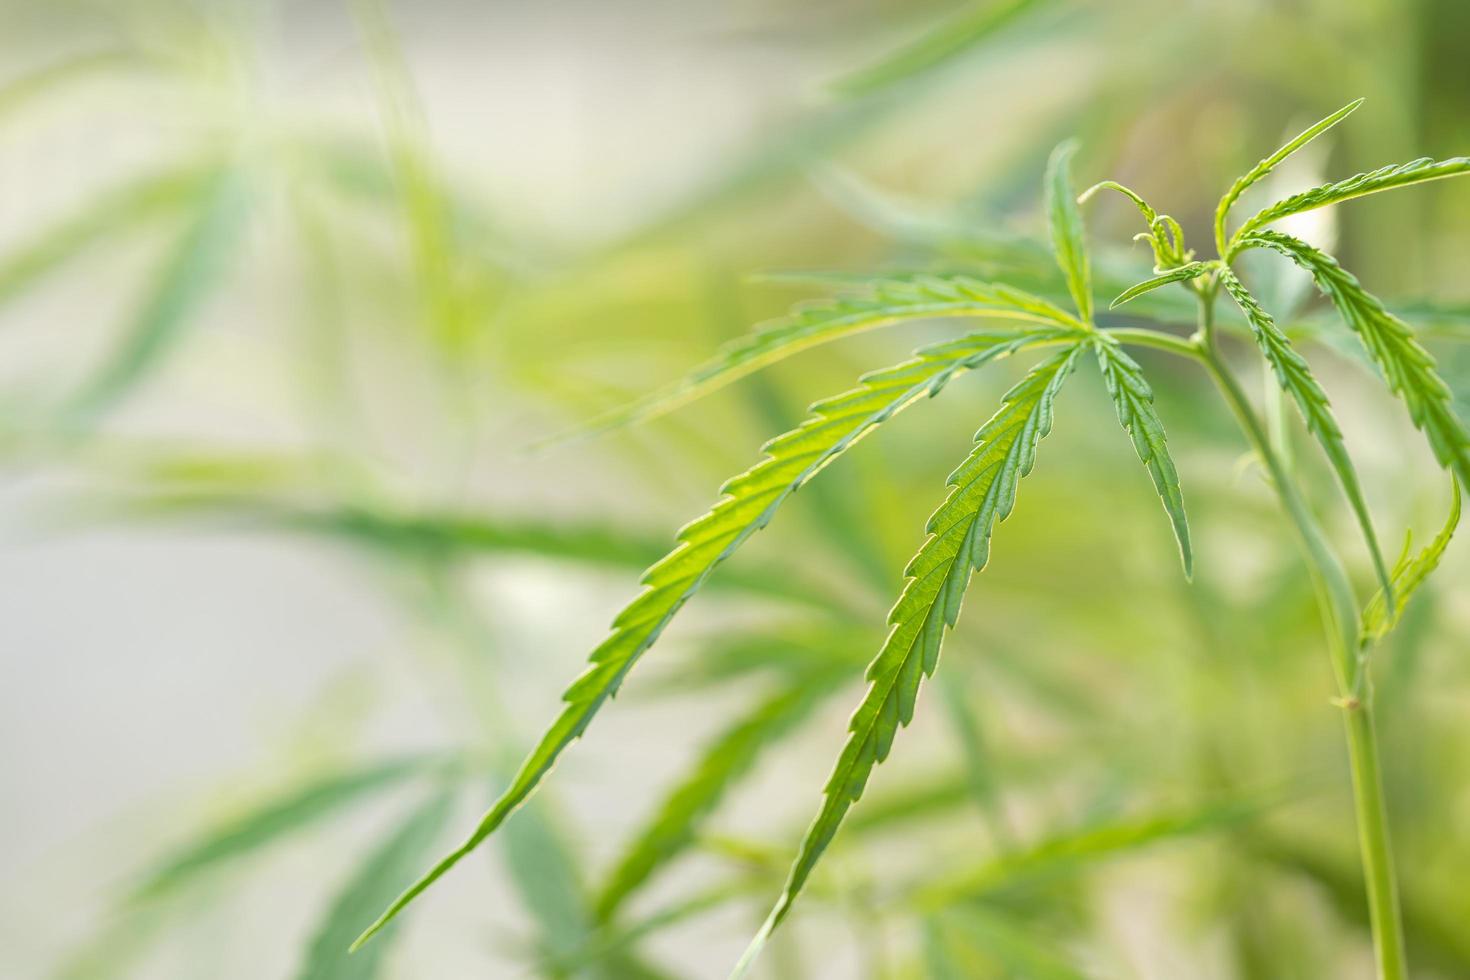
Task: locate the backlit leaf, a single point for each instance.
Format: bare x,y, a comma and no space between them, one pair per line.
1134,401
1068,237
1262,169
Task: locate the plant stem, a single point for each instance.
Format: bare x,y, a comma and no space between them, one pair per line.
1153,338
1340,615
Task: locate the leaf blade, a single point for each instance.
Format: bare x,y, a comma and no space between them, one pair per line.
749,502
1297,380
379,877
1383,611
1068,235
277,818
1133,399
722,763
1360,185
1263,168
1407,367
1184,273
880,303
185,280
983,493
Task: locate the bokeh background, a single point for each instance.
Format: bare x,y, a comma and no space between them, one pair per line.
289,293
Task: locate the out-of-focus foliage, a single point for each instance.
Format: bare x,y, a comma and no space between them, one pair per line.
308,274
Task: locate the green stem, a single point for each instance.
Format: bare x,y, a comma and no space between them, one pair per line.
1340,615
1140,337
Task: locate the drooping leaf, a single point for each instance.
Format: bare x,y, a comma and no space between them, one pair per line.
1382,179
879,303
1382,613
1182,274
945,42
983,493
750,502
721,765
279,818
187,277
386,869
1297,380
1262,169
1068,237
1408,368
1134,401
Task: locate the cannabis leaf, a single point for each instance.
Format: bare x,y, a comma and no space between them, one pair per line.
984,491
1134,400
750,502
1182,274
1383,612
1267,165
879,303
1406,365
1382,179
1297,380
1068,235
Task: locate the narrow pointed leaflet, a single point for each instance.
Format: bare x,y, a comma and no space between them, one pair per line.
1297,380
749,502
983,491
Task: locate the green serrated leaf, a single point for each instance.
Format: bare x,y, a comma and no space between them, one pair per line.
750,502
1134,401
1407,367
728,758
983,493
1383,612
277,819
1297,380
1068,237
1383,179
1182,274
1262,169
189,275
381,875
879,303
